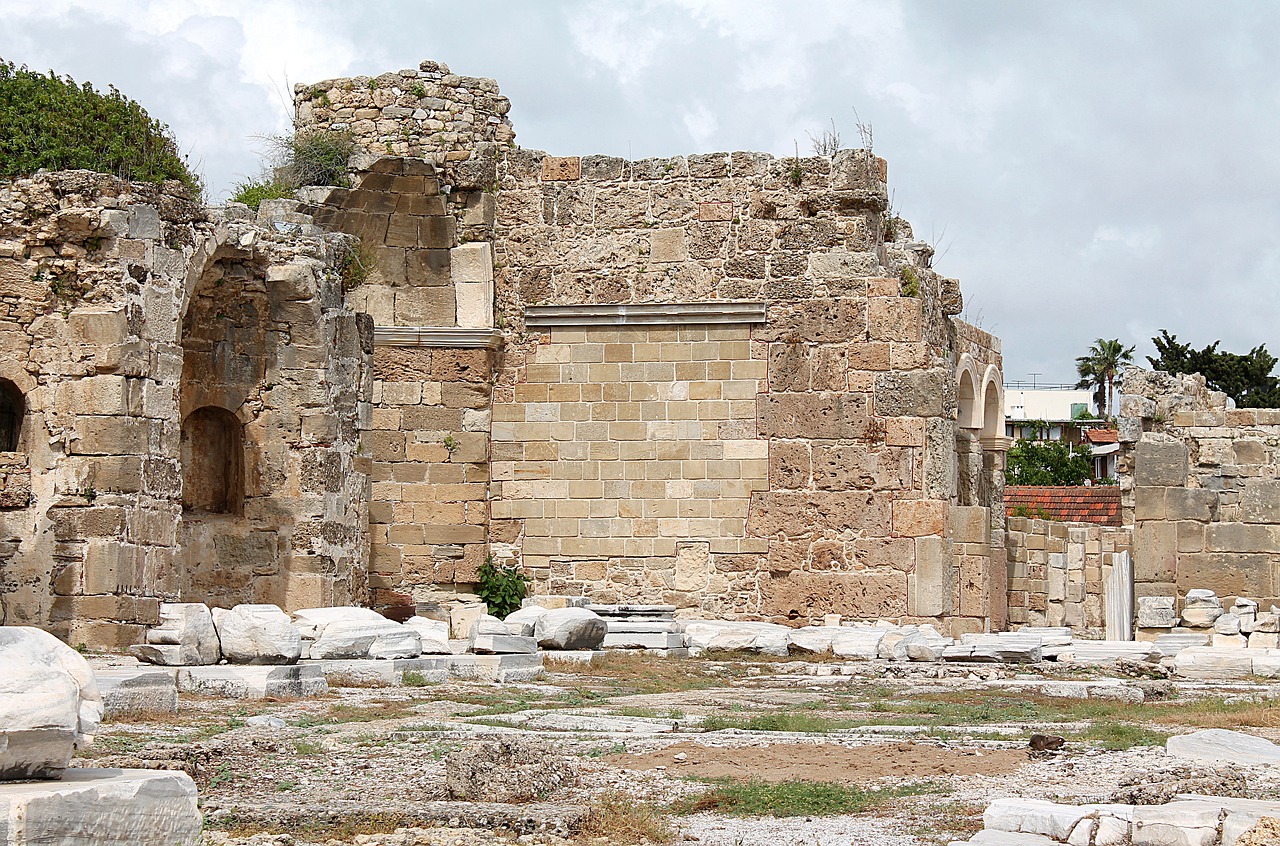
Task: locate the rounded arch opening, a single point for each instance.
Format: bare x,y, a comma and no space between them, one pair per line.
13,409
993,408
968,411
212,462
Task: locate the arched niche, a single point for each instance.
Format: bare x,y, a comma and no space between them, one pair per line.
212,462
968,410
13,409
992,404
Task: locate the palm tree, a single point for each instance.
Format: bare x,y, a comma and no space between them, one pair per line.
1098,369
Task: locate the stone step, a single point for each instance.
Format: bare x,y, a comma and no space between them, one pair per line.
149,690
639,626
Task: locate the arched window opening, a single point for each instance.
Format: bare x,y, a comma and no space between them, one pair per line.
993,414
12,409
967,402
212,462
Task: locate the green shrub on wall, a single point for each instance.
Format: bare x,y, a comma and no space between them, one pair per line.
501,588
48,121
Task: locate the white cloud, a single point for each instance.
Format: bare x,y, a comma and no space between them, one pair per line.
1138,241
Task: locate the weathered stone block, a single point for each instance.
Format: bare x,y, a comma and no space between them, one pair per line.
814,415
1160,460
561,168
929,587
1175,504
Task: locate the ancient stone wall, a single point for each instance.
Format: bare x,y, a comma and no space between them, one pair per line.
1058,572
426,112
430,295
109,289
1201,486
725,389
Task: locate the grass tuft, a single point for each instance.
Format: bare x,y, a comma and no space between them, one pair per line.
617,818
798,798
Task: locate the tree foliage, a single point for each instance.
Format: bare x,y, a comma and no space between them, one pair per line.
1245,378
1099,367
1048,463
48,121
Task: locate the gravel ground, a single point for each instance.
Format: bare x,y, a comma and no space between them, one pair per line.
371,765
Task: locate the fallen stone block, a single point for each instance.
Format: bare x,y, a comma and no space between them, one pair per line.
570,628
1221,746
382,639
433,635
257,634
185,636
253,682
1201,608
102,807
1172,643
1176,824
1207,662
1107,651
1049,635
1035,816
992,654
524,620
586,722
629,626
502,644
1005,838
642,640
504,669
311,622
1156,612
143,691
743,636
49,704
1244,829
858,644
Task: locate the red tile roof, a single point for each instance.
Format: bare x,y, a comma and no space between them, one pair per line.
1085,504
1102,436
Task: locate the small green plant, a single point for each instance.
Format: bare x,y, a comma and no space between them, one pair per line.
413,678
252,192
418,91
354,261
796,174
501,588
1022,509
910,282
302,746
450,443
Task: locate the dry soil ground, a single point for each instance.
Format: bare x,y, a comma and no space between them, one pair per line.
717,751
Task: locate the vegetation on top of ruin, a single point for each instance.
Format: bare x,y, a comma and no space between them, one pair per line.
1245,378
51,122
295,160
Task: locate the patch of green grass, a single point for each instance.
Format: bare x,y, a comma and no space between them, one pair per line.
302,746
1119,736
798,798
780,721
413,678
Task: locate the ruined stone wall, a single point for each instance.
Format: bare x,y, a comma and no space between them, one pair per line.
1058,572
426,112
430,295
96,276
1200,483
784,464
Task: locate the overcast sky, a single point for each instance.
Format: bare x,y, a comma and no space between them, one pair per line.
1086,169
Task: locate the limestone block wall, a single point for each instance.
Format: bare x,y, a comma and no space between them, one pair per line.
97,275
1058,572
841,411
430,295
1200,482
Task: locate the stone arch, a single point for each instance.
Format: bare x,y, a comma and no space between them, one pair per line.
13,409
212,462
968,409
992,403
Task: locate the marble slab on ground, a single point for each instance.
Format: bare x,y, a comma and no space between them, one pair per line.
253,682
102,807
142,690
643,640
1222,746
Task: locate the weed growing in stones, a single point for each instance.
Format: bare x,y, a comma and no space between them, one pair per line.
799,798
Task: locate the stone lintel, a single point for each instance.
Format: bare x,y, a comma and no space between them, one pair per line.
436,336
645,314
